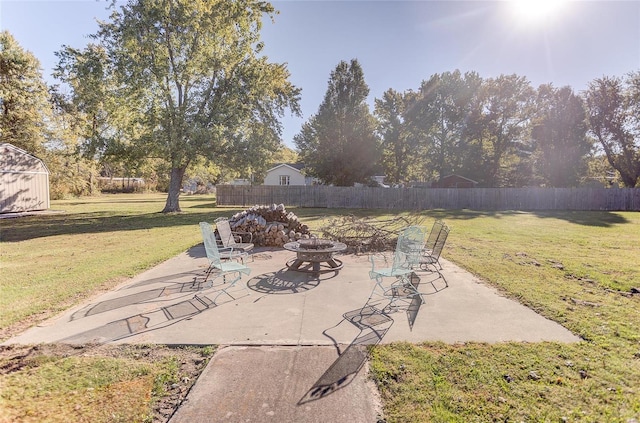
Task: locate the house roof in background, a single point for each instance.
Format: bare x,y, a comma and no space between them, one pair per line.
296,166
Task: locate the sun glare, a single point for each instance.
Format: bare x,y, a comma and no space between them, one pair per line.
536,10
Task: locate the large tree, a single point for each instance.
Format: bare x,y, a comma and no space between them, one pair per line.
186,79
613,107
560,132
498,122
91,103
339,144
437,121
398,151
24,99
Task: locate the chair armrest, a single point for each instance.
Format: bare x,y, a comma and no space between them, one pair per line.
239,236
225,250
378,260
231,253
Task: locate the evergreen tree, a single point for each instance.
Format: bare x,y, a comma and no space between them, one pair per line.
338,144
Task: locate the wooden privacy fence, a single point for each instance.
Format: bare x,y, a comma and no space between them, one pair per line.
620,199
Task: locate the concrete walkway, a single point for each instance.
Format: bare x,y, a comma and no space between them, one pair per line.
294,343
282,384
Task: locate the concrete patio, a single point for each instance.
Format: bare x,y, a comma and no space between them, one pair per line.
292,346
169,305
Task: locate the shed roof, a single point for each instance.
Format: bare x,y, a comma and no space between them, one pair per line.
17,160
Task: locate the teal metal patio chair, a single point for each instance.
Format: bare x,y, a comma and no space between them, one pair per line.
230,271
411,241
401,286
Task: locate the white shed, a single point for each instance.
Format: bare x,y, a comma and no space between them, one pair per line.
24,181
286,174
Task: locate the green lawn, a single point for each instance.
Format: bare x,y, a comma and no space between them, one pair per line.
52,261
577,268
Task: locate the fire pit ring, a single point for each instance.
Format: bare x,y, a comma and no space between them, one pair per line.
318,254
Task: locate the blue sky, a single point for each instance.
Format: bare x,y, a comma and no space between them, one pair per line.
398,43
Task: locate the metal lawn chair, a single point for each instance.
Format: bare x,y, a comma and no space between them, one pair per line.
411,241
431,258
401,287
231,271
230,239
430,243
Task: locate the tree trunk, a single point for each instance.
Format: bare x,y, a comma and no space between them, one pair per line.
173,199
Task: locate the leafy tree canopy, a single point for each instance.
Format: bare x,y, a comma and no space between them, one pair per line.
437,117
181,79
399,150
24,98
560,131
613,107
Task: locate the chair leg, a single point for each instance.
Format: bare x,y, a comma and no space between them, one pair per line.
207,273
224,290
400,289
378,289
404,290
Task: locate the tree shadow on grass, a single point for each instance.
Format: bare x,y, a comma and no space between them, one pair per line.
23,229
584,218
32,227
204,206
602,219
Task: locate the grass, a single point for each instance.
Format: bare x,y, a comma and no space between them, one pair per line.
50,262
117,388
81,384
576,268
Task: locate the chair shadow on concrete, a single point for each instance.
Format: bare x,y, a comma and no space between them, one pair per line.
155,319
373,321
412,304
168,279
373,324
436,279
168,293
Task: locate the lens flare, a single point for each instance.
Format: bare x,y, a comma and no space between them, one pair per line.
536,10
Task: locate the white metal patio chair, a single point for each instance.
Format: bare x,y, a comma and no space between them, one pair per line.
231,271
230,239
